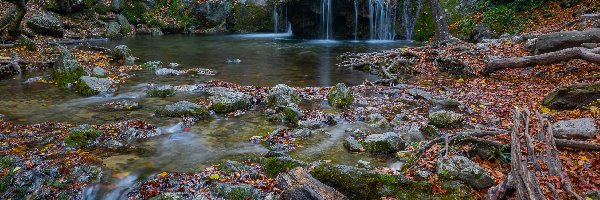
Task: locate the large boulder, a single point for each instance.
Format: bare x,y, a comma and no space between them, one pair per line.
46,25
226,100
66,69
297,184
465,170
89,86
340,96
445,119
69,6
387,143
570,97
126,27
283,96
576,128
113,30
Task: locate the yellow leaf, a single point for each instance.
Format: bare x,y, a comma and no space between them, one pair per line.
163,174
214,176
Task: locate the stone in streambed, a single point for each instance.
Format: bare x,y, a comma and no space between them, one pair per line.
89,86
183,109
226,100
465,170
387,143
340,96
298,184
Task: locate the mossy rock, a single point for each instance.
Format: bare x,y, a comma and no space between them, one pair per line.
571,97
121,52
84,89
275,165
282,96
446,119
66,69
250,17
291,117
81,136
225,100
340,96
387,143
235,191
151,65
160,92
184,109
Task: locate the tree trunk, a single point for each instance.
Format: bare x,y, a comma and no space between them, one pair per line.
442,33
13,19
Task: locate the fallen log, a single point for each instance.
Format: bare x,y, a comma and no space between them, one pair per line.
590,55
577,144
566,39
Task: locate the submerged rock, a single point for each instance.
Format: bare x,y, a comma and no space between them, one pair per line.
340,96
297,184
46,25
122,105
282,96
184,109
465,170
576,128
226,100
89,86
387,143
445,119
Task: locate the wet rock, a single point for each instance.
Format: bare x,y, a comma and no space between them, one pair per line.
235,191
66,69
593,195
225,100
340,96
446,104
399,119
9,70
275,165
89,86
113,30
297,184
352,144
465,170
113,144
167,72
121,52
46,25
99,72
183,109
233,61
418,93
160,91
130,60
126,27
576,128
69,6
454,67
430,131
167,196
152,65
231,167
81,136
445,119
156,32
311,124
387,143
301,133
32,80
282,96
571,97
377,120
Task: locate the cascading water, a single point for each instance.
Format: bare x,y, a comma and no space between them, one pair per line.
355,19
410,14
382,22
326,20
275,20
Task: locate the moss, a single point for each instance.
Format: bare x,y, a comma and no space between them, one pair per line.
200,113
445,119
223,108
160,92
340,96
151,65
83,89
424,28
168,196
252,18
63,79
81,137
290,117
134,11
276,165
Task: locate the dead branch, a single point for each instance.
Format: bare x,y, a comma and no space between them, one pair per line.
590,55
577,144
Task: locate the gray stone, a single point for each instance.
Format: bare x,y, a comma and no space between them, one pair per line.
97,85
156,32
465,170
113,144
125,25
283,96
340,96
417,93
233,191
167,72
593,195
413,135
98,72
113,30
377,120
226,100
576,128
46,25
445,119
301,133
130,60
297,184
352,144
453,67
121,52
422,175
387,143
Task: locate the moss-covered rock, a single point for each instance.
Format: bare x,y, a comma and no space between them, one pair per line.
387,143
66,69
81,136
161,91
340,96
121,52
250,17
283,96
46,25
445,119
235,192
113,30
152,65
225,100
184,109
465,170
89,86
570,97
275,165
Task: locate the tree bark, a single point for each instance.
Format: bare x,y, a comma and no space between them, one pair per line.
590,55
442,33
13,19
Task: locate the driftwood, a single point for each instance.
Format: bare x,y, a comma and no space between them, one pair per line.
590,55
526,163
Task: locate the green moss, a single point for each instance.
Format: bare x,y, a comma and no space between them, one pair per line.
276,165
168,196
134,11
151,65
290,117
424,28
340,96
81,137
445,119
63,79
252,18
83,89
160,92
224,108
200,113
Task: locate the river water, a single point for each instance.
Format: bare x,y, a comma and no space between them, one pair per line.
266,60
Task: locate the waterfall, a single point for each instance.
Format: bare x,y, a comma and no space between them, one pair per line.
355,19
410,16
326,20
275,19
382,22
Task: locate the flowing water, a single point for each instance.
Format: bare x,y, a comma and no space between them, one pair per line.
382,22
326,20
266,60
410,14
356,20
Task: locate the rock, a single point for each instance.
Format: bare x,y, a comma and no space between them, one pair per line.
160,91
69,6
46,25
167,72
130,60
184,109
231,167
422,175
234,61
9,70
297,184
156,32
113,30
387,143
593,195
152,65
32,80
352,144
2,117
446,104
167,196
465,170
113,144
283,96
377,120
81,136
413,135
66,69
311,124
26,42
235,191
445,119
89,86
225,100
454,67
340,96
99,72
126,27
571,97
301,133
121,52
576,128
275,165
417,93
480,32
